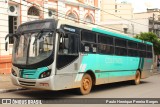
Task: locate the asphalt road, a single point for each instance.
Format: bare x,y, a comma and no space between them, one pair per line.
149,88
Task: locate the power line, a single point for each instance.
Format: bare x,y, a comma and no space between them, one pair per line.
115,15
98,9
92,7
62,14
70,17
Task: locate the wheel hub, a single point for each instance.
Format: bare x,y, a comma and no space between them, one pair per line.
86,84
137,77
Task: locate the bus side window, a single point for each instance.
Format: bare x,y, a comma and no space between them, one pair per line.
66,42
73,44
61,45
69,44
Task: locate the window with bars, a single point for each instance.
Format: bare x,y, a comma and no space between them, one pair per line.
13,23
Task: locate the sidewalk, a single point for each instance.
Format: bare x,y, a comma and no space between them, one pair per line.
156,72
6,84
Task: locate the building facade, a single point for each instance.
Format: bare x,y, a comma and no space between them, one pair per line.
120,16
15,12
114,12
152,16
112,8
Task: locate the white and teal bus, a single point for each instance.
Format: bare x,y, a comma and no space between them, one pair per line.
58,54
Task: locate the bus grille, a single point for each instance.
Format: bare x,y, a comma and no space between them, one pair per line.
28,74
27,83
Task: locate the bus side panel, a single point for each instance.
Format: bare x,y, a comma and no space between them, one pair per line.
111,68
119,68
66,76
71,75
93,62
146,66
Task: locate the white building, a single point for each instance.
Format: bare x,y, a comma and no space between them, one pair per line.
153,20
119,16
111,9
113,14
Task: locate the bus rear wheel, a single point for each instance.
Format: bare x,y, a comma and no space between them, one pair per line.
86,84
136,81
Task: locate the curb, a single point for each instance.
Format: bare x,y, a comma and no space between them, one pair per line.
156,73
11,90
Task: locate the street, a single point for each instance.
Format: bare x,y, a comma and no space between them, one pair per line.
149,88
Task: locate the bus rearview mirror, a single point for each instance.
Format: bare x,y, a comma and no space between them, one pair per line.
6,43
8,35
6,46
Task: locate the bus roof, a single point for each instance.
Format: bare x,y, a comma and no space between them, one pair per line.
102,30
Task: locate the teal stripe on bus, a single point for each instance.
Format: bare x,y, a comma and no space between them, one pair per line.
110,63
32,73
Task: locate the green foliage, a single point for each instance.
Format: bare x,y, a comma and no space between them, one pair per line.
150,37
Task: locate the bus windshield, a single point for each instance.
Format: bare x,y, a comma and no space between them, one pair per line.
31,48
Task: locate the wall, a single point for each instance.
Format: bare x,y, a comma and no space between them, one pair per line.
111,8
5,60
142,27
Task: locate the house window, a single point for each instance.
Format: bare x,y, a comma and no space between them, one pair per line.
33,11
12,27
89,19
125,30
72,16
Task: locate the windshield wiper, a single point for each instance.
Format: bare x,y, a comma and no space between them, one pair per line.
17,35
39,35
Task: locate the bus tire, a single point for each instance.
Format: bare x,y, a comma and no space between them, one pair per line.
86,84
137,77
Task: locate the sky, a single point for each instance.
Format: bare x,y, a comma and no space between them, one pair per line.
142,5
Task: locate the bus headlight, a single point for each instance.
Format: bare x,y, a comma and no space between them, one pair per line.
45,74
14,73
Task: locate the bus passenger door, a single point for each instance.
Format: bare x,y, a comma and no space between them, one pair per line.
68,52
67,60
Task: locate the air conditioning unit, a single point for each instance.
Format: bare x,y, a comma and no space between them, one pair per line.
13,10
51,13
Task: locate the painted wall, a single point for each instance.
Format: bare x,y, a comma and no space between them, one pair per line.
123,10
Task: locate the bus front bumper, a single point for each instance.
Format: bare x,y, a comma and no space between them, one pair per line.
44,83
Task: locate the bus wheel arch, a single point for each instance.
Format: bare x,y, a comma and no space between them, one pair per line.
139,71
87,82
137,77
92,76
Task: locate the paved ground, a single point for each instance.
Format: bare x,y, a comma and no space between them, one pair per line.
6,84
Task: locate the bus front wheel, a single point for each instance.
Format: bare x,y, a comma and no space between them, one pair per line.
86,84
136,81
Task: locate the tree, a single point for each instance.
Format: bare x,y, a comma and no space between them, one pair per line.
150,37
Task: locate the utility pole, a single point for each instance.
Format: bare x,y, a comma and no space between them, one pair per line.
153,23
132,29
